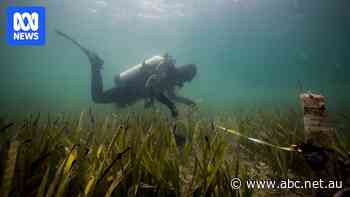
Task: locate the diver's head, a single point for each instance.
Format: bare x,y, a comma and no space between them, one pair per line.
185,73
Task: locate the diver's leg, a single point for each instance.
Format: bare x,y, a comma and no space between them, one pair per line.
164,100
96,85
97,93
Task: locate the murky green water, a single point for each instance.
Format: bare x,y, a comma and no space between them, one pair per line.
249,52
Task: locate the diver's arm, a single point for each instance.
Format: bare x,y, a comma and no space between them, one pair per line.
184,100
166,101
180,99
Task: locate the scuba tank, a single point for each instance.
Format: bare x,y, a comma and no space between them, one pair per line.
147,68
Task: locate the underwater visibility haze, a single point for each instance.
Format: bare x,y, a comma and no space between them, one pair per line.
248,52
250,120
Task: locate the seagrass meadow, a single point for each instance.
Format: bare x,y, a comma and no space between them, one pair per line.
149,154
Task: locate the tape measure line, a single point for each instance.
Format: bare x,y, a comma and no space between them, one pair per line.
291,148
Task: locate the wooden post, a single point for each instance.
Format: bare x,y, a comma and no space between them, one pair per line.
317,130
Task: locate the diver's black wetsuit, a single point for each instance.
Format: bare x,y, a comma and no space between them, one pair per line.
124,95
129,94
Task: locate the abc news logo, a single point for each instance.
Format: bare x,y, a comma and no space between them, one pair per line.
26,25
29,29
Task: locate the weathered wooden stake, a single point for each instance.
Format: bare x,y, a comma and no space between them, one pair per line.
317,130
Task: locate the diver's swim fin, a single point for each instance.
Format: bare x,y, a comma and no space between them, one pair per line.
93,57
72,40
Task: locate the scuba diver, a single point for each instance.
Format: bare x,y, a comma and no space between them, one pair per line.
156,78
